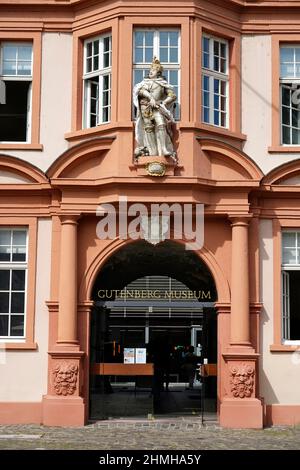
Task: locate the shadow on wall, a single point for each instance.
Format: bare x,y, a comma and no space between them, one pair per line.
264,384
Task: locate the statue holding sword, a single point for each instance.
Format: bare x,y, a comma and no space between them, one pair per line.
154,97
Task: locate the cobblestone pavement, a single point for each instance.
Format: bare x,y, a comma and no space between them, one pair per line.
171,434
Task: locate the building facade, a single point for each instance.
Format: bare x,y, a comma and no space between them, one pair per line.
67,144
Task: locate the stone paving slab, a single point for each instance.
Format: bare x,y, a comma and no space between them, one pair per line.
158,435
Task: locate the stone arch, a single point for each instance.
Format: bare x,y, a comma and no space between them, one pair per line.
73,162
20,170
205,255
285,174
228,162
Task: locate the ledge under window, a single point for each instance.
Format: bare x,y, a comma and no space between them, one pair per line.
215,130
284,149
284,347
18,345
20,146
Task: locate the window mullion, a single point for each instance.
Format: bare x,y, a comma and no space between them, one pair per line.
101,53
211,99
99,108
156,44
9,301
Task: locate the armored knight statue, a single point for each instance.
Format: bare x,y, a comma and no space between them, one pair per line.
154,97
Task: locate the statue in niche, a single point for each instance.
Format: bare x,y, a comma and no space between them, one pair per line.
154,99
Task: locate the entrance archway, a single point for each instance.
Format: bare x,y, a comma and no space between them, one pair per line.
153,303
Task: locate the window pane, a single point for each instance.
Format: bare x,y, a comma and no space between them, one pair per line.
106,44
205,82
105,98
216,63
223,104
24,68
138,55
9,68
96,63
5,253
17,325
289,256
216,48
287,70
216,102
149,54
173,77
205,114
206,99
105,82
163,36
223,88
18,279
286,54
89,48
223,66
138,76
106,60
173,55
173,37
286,115
89,65
24,53
19,237
205,59
223,119
4,279
19,254
289,239
105,114
216,85
5,237
286,135
297,54
149,38
223,50
295,136
3,325
295,118
216,118
163,54
138,37
96,47
205,44
286,99
4,302
9,52
17,302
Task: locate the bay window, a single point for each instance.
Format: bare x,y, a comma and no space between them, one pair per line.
163,44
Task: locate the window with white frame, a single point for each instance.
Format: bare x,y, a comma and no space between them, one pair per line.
97,80
163,44
15,91
290,292
290,94
13,274
215,81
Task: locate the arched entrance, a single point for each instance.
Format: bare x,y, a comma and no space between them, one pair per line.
151,304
